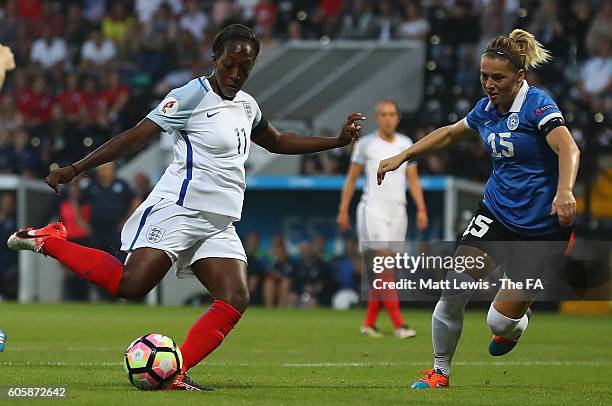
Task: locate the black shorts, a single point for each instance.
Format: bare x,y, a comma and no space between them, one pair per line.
485,227
518,253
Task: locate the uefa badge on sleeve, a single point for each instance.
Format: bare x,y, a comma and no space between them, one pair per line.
512,122
169,106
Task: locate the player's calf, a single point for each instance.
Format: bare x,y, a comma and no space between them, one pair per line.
144,269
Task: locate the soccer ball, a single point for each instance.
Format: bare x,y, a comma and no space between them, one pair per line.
152,361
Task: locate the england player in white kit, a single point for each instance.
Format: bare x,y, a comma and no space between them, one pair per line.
211,145
381,213
188,217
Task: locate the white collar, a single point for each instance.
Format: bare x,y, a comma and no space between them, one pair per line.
380,137
518,100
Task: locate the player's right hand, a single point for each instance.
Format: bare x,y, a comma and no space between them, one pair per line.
388,165
351,130
60,176
564,206
343,220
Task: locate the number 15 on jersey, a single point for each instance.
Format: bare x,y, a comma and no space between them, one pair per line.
506,147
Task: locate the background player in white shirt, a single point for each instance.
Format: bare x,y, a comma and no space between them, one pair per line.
381,213
187,219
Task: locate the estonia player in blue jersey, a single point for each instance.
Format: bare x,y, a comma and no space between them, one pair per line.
528,196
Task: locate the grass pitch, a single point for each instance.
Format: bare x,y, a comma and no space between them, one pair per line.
306,357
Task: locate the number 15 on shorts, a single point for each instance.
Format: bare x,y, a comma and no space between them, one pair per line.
478,226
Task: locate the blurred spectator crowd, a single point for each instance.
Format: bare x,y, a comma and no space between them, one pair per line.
579,78
88,69
310,278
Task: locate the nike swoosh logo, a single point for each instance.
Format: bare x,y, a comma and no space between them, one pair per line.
26,234
488,121
213,114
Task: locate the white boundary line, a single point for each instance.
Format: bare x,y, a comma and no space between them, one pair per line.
458,363
327,364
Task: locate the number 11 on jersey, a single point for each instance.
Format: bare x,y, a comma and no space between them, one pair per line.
238,135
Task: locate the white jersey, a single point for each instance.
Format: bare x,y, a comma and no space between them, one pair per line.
211,145
369,151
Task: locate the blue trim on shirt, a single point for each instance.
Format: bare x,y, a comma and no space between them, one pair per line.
202,83
143,220
181,198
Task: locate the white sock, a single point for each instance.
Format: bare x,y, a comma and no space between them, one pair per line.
504,326
447,324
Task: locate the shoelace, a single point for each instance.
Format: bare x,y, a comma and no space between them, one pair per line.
503,340
429,374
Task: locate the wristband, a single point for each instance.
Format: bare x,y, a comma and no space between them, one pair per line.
76,173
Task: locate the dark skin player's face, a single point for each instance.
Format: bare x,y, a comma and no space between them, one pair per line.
232,68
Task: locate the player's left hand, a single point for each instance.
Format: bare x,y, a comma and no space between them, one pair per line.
564,206
350,131
388,165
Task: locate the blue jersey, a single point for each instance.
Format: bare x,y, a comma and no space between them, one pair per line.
523,182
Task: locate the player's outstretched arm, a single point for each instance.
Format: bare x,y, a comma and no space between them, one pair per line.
564,204
127,142
436,140
291,144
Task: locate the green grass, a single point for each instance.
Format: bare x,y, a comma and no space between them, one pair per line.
306,357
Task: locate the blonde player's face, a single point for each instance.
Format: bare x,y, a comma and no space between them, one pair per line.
499,81
387,117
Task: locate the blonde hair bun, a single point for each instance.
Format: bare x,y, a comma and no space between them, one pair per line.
531,49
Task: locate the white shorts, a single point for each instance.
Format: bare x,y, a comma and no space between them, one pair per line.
378,226
185,235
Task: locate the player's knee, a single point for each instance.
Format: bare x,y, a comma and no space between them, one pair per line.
132,288
238,298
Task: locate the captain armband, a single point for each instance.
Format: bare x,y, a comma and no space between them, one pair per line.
551,125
